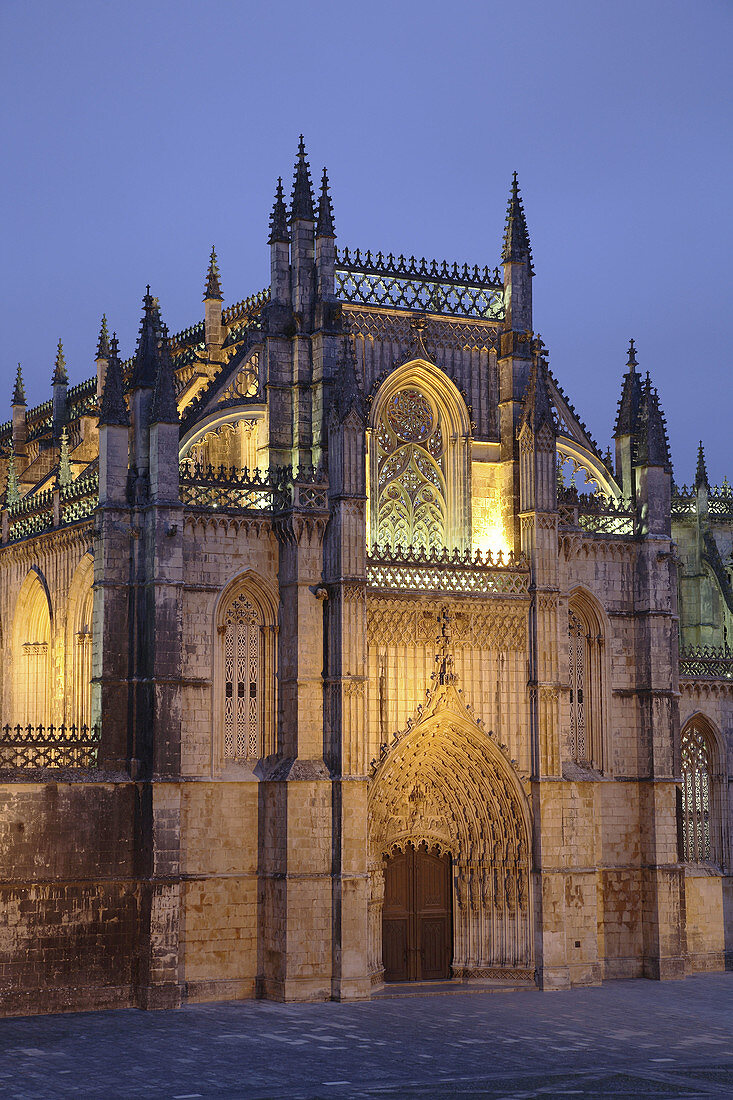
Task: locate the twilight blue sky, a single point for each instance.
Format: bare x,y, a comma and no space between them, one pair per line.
137,134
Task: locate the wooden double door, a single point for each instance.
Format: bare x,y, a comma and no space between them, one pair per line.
417,924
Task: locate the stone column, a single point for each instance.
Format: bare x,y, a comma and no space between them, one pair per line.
346,679
295,795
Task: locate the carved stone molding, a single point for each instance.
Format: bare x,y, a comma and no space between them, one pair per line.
574,545
495,625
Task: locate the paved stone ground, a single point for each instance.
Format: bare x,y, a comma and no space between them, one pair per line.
636,1038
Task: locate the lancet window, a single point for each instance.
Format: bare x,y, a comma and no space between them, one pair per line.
411,471
32,656
578,728
242,680
586,664
81,655
698,831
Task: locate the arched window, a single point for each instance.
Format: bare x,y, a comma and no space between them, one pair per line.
411,472
247,662
78,709
419,483
699,819
578,662
586,663
32,654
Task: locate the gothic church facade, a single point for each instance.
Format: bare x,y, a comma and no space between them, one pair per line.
335,653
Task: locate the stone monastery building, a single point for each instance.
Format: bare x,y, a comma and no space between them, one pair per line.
335,653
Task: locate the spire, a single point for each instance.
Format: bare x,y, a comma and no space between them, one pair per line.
701,473
301,206
103,343
538,410
64,473
113,409
324,227
19,388
279,217
517,248
631,393
165,407
213,285
652,444
145,366
12,492
60,377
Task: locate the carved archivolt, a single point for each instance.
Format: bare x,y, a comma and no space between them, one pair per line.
445,783
495,625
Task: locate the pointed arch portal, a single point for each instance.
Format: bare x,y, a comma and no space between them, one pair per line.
445,790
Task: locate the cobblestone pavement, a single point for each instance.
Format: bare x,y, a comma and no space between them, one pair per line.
635,1038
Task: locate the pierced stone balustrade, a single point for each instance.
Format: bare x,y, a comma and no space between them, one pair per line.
58,747
409,569
706,663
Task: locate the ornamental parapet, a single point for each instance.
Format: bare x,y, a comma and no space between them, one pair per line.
394,282
50,509
58,747
456,572
596,515
719,502
706,663
275,490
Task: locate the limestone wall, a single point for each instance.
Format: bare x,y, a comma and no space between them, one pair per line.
69,896
705,920
219,856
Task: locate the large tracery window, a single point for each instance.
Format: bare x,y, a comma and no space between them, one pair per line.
698,832
412,504
243,660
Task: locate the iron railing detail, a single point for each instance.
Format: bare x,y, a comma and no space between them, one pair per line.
394,282
408,569
59,747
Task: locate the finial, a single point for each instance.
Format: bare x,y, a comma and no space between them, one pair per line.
301,206
629,405
349,394
652,442
103,343
213,284
701,473
538,407
279,217
60,377
164,409
517,248
12,492
631,362
19,388
65,476
112,409
324,227
146,357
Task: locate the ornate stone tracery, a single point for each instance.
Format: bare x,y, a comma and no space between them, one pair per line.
446,784
411,472
699,810
419,462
